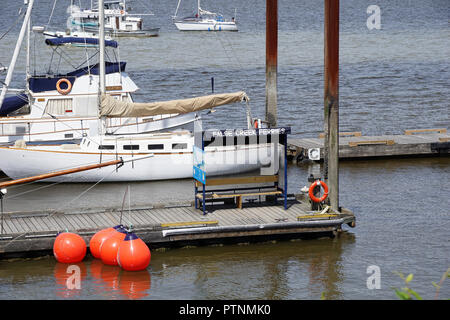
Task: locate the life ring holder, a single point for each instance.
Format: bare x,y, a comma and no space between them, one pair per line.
63,91
311,191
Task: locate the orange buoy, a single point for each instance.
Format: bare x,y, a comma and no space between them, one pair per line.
97,240
69,248
133,253
109,248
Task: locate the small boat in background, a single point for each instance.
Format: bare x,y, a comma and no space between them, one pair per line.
118,21
204,20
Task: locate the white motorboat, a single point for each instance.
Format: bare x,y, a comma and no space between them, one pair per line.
204,20
118,21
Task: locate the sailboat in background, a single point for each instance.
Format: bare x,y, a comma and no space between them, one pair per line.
204,20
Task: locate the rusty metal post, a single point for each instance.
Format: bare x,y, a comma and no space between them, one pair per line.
271,61
331,100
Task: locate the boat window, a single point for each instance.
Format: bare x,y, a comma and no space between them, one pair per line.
179,145
58,106
131,147
155,147
106,147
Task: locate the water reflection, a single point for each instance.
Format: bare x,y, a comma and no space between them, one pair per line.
301,269
101,281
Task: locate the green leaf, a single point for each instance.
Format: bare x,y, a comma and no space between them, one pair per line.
409,278
402,295
399,274
415,294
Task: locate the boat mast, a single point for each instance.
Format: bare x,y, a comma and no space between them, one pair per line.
28,54
198,8
176,11
102,77
16,50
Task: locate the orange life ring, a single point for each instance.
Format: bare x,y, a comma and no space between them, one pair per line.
63,91
325,190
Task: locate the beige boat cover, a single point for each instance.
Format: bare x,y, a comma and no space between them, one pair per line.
113,108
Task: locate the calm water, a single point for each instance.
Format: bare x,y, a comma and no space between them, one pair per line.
391,79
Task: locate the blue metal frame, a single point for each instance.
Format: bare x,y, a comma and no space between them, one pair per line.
283,141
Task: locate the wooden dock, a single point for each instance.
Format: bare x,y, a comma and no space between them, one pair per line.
354,145
33,234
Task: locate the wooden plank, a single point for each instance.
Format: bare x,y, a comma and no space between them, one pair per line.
170,215
6,227
150,218
79,221
50,221
189,223
438,130
234,195
27,227
89,222
37,221
12,225
344,134
100,220
113,220
315,216
361,143
444,139
238,180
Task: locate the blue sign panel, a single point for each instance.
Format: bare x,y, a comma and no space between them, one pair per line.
199,165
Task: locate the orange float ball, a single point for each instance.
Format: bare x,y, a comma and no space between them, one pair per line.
133,253
109,248
97,240
69,248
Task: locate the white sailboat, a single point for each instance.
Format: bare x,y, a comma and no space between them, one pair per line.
172,151
62,107
204,20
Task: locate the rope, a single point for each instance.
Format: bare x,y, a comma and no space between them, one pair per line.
12,26
51,14
84,192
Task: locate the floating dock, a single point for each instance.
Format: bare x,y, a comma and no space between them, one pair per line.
353,145
174,225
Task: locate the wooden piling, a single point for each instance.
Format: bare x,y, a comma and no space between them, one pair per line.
331,100
271,61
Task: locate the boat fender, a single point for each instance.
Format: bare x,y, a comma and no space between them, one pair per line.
325,190
64,91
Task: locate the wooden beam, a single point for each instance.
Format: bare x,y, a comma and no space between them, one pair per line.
238,180
331,100
367,142
438,130
344,134
271,61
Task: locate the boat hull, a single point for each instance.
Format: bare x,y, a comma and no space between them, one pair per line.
24,162
205,26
